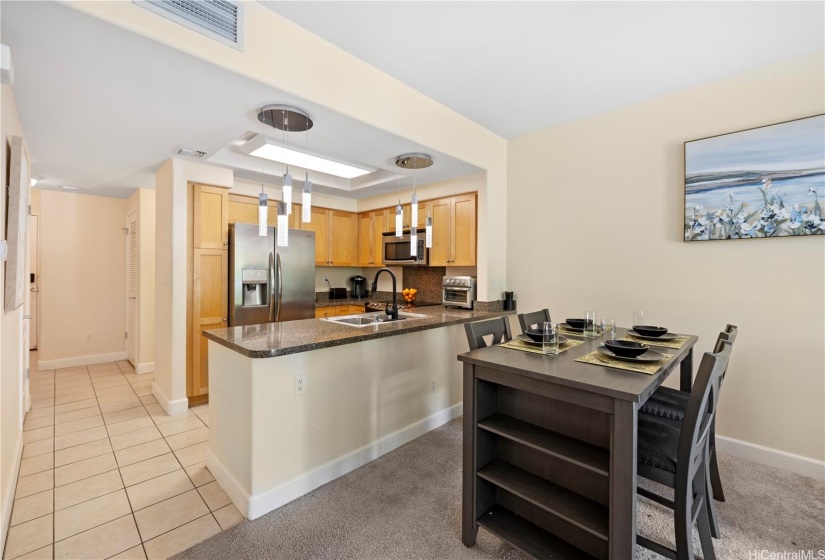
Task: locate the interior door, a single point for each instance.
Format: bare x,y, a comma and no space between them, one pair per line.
34,278
131,287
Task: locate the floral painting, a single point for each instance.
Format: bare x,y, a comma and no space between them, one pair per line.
762,182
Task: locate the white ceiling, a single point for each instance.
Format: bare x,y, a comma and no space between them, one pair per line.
517,67
102,108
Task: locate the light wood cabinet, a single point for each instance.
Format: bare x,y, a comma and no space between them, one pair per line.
244,209
210,217
209,306
337,310
336,237
454,231
371,226
319,226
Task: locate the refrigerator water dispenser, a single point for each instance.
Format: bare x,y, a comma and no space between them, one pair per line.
254,282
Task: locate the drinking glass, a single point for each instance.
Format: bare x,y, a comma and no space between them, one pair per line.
609,325
549,339
590,325
638,317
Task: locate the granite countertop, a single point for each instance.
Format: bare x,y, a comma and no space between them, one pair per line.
337,302
291,337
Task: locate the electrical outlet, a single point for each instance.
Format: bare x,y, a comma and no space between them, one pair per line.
87,337
432,385
300,385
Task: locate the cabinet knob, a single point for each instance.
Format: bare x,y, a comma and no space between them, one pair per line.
224,319
226,243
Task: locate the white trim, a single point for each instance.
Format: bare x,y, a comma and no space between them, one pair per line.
8,497
147,367
255,506
172,408
771,457
44,365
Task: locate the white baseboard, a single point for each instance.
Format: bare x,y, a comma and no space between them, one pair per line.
43,365
172,408
771,457
147,367
253,507
8,494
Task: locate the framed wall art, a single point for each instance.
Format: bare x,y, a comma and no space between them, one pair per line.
761,182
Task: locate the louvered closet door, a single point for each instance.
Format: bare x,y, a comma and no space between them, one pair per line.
131,289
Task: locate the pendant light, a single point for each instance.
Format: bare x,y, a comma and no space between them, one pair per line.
263,202
428,237
287,188
399,214
283,225
306,194
414,162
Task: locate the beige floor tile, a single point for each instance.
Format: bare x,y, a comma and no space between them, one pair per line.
38,434
156,409
180,539
204,418
38,448
122,387
158,489
123,415
148,399
169,514
192,454
86,489
75,397
97,374
137,437
134,553
141,452
77,405
105,366
129,426
121,405
143,391
80,452
29,536
150,468
37,385
89,514
185,439
214,496
42,403
200,409
65,391
34,483
160,417
133,377
78,425
178,426
40,412
73,415
103,380
75,380
70,369
44,553
84,469
32,507
101,542
111,384
228,516
78,438
36,464
42,393
120,395
34,423
199,474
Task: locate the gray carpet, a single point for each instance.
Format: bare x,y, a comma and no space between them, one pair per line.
407,504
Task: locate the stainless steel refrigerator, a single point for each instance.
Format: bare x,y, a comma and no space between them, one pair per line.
269,283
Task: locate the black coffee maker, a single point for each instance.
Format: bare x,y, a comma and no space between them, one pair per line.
359,286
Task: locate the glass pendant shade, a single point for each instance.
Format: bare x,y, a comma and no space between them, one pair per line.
414,240
399,221
414,210
283,225
306,201
288,192
263,209
429,232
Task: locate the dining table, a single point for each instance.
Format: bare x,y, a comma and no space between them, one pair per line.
549,449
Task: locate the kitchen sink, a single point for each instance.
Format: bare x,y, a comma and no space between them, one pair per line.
367,319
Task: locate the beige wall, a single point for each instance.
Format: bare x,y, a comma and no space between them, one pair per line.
142,202
598,189
82,278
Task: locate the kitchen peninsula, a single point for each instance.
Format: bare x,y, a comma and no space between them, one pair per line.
294,405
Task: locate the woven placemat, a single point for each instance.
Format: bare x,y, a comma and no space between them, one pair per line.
597,358
517,344
566,330
675,343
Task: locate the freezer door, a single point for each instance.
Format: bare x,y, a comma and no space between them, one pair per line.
249,260
295,277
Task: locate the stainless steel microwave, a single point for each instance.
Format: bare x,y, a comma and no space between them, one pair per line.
398,252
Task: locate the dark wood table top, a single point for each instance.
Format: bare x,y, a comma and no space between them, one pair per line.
565,370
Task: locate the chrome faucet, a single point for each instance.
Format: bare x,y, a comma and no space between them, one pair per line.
392,312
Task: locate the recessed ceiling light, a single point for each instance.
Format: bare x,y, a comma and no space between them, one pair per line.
34,179
68,188
263,147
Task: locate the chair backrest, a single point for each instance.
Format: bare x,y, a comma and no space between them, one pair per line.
532,319
701,410
499,328
728,334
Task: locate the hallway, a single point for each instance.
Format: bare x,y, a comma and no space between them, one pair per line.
107,474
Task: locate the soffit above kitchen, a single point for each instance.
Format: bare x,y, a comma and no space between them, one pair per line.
103,108
518,67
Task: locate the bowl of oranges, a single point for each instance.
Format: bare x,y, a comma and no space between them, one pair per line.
409,294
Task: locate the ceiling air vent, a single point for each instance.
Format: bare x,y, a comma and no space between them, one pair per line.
189,152
221,20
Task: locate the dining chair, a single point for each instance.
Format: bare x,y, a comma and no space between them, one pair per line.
676,455
533,319
499,328
672,403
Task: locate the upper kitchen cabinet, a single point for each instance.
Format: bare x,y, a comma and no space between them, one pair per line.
371,226
211,217
319,225
244,209
336,237
454,231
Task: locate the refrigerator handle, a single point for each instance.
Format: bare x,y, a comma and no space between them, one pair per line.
272,287
280,289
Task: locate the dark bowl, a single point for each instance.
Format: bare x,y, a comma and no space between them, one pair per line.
535,335
576,323
625,348
647,330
